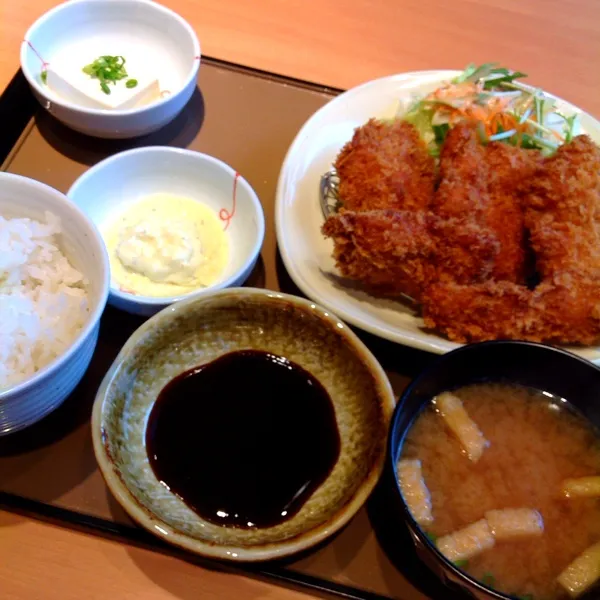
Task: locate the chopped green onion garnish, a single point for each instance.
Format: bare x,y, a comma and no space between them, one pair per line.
44,76
108,69
461,564
488,579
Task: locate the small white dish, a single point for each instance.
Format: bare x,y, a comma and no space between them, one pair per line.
114,184
298,216
30,400
152,38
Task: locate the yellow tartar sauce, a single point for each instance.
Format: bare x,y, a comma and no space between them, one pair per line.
165,246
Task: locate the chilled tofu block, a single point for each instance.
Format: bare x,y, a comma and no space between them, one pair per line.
461,425
77,87
511,523
415,492
583,487
582,573
468,542
68,92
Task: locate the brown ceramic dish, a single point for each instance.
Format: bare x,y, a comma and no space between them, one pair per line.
197,331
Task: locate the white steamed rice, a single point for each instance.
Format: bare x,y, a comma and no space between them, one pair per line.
43,299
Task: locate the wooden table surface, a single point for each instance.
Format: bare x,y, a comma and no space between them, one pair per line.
42,562
335,42
345,42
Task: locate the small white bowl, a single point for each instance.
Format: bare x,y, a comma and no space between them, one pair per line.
77,27
108,188
28,401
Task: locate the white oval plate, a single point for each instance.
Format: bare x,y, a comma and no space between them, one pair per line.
298,217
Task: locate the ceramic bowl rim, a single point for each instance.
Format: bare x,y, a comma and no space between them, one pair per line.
262,552
201,157
392,451
110,112
94,317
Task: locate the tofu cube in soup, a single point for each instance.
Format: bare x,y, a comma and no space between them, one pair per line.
582,487
462,426
468,542
414,491
582,573
513,523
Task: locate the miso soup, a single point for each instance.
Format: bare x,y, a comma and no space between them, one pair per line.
531,449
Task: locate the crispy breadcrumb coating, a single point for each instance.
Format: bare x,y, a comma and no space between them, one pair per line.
385,165
482,182
463,250
561,204
396,252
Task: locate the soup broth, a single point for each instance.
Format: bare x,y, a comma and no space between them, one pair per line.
535,443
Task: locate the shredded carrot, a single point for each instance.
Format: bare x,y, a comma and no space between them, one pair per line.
497,105
492,115
460,102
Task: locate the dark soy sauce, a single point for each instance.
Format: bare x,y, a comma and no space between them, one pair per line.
244,440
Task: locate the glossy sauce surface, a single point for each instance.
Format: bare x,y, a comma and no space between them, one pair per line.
244,440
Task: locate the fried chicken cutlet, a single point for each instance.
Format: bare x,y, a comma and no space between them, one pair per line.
385,165
562,211
402,252
473,232
482,182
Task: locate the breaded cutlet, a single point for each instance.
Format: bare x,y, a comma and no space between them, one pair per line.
385,166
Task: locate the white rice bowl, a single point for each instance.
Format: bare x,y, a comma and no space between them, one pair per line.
44,301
